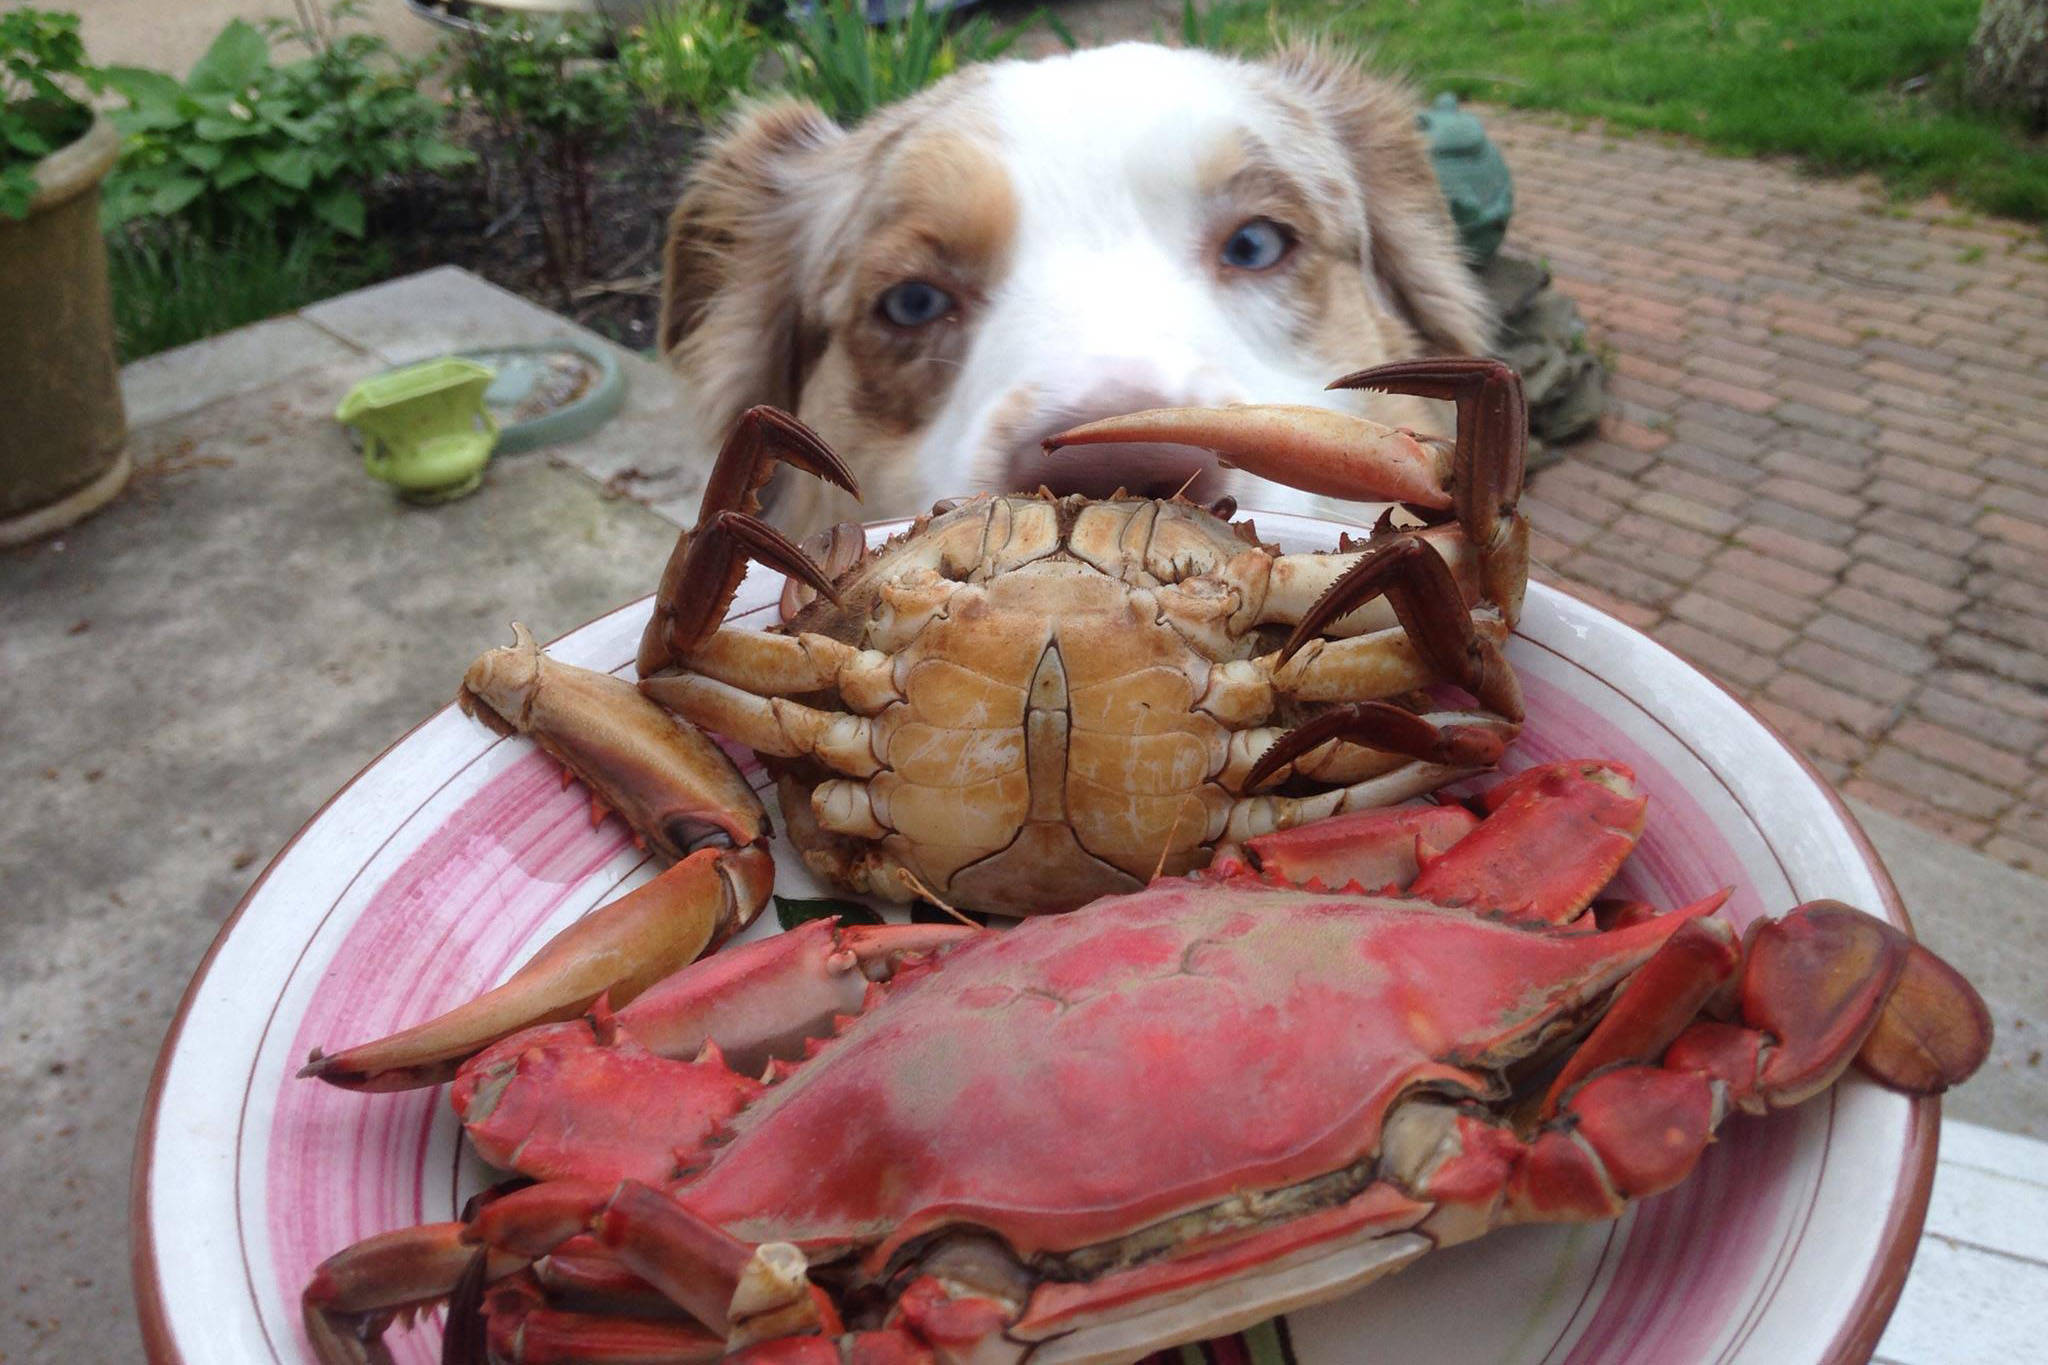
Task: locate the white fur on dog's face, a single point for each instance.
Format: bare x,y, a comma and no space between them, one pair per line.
1028,246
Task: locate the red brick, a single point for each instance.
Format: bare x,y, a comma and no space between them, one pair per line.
1876,643
1817,738
1937,569
1732,622
1908,500
1585,478
2007,696
1939,786
1647,370
1812,497
2019,502
1864,677
1816,331
1622,580
1785,608
1947,824
1824,396
1734,395
1633,613
2007,661
1794,549
2016,560
1634,435
2024,626
1729,662
1907,588
1696,487
1552,520
1886,613
1681,511
1911,376
1815,698
1729,364
2016,853
1948,483
1954,749
1665,537
1826,473
1773,572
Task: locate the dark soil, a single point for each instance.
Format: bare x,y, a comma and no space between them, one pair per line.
485,222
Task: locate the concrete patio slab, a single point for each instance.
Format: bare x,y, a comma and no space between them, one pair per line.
193,672
173,383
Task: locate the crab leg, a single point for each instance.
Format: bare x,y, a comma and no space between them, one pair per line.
1424,595
355,1293
1454,739
1554,836
762,663
770,725
705,569
1297,581
742,1292
1487,460
619,949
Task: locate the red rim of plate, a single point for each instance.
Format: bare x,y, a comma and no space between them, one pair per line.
1854,1343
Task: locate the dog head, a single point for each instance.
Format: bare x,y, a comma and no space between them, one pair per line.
1028,245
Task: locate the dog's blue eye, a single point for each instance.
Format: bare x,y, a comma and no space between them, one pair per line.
1258,245
914,303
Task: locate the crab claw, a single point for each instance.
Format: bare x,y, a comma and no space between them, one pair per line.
1318,450
1827,986
618,950
667,780
705,568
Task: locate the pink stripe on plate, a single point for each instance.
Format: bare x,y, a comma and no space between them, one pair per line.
448,922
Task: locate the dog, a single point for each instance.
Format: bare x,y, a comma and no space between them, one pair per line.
1029,245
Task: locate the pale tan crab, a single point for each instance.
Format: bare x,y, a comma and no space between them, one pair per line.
1025,701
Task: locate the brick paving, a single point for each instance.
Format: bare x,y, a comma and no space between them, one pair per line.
1825,479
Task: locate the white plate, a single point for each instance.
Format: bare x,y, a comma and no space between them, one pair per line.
453,856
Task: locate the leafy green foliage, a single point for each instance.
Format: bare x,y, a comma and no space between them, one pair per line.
793,911
172,285
693,57
244,140
850,67
554,104
1232,26
42,68
1847,85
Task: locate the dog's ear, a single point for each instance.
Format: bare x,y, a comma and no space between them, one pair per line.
1414,247
731,324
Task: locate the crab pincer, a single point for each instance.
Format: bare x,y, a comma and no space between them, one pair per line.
681,796
1477,475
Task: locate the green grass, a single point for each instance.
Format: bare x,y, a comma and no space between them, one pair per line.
1845,85
172,286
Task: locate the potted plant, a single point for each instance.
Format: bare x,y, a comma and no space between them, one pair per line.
62,451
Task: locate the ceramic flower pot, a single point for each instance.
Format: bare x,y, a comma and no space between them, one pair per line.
62,451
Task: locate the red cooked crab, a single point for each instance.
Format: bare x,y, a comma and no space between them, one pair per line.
1163,1116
